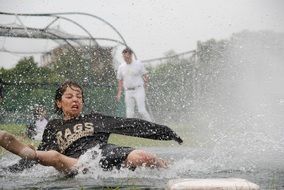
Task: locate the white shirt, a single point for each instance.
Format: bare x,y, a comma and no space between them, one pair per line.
40,126
131,74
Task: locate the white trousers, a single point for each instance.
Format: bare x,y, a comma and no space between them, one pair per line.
138,96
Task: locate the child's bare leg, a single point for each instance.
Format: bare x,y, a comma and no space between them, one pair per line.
10,143
57,160
142,158
47,158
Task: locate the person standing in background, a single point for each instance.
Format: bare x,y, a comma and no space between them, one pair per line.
132,76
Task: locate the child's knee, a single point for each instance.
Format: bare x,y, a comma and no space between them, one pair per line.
139,157
6,137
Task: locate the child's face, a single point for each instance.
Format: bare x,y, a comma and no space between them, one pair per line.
71,102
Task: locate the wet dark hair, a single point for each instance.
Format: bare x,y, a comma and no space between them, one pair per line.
127,50
60,91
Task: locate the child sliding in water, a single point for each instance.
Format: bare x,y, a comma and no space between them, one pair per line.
65,140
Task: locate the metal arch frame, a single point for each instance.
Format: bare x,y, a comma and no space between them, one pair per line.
41,52
57,16
47,32
73,48
69,13
99,18
169,57
74,22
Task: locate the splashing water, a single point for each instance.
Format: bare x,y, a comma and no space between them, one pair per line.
234,130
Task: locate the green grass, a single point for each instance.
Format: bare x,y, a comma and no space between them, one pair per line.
19,132
143,142
138,142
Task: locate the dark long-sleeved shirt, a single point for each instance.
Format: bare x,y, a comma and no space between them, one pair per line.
75,136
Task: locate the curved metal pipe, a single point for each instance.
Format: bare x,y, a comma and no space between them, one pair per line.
44,31
76,38
74,22
79,13
168,57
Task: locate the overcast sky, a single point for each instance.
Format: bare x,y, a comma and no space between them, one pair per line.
151,27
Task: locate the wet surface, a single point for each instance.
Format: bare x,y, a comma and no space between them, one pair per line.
186,163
